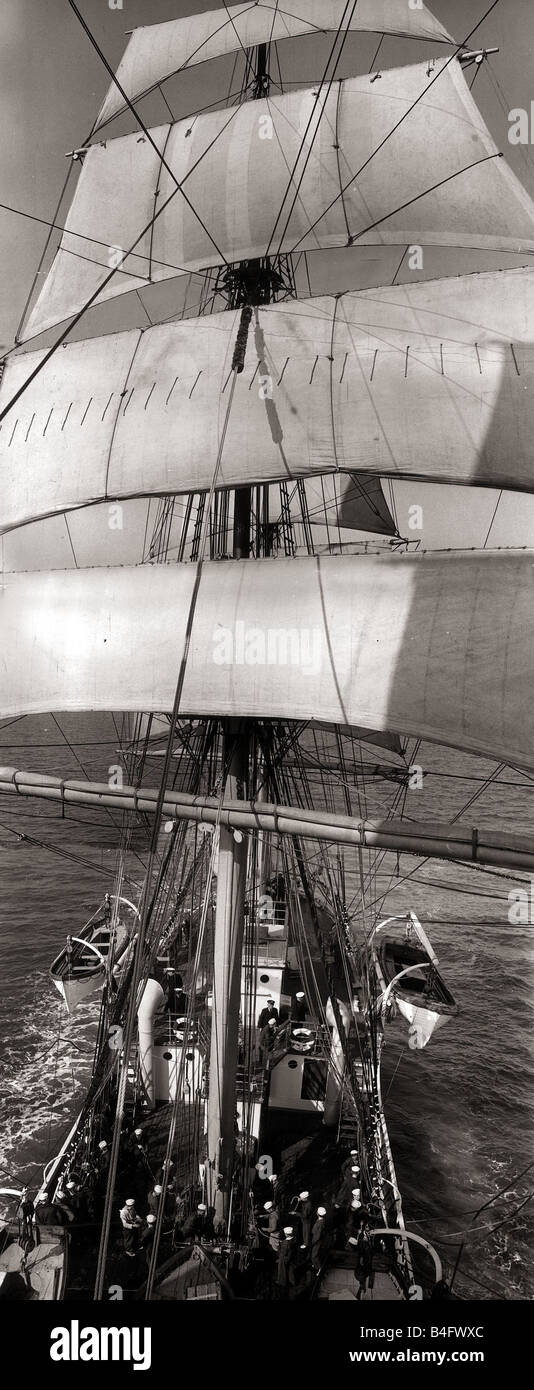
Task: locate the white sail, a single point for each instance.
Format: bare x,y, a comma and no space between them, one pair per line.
437,179
425,380
412,645
340,503
157,51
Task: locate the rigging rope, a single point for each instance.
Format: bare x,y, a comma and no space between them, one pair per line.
339,31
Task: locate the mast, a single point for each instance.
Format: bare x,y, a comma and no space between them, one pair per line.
247,284
228,948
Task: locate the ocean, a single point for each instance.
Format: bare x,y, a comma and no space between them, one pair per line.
460,1113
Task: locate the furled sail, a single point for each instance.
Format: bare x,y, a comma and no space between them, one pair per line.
424,380
435,179
157,51
412,645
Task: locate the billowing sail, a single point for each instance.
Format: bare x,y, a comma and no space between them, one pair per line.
412,645
435,178
157,51
346,503
425,380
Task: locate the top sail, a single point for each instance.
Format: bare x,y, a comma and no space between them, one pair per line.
157,51
404,160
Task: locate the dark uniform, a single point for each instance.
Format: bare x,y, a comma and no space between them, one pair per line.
266,1043
298,1010
306,1218
153,1200
47,1214
285,1269
146,1241
320,1240
268,1012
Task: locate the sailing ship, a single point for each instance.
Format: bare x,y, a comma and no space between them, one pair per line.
278,633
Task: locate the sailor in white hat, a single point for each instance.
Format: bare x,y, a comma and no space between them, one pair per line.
298,1007
131,1221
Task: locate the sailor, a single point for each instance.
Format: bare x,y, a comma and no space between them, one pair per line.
285,1269
319,1238
61,1202
165,1168
46,1213
267,1013
196,1224
131,1222
146,1239
298,1007
72,1197
139,1166
136,1144
304,1208
267,1041
301,1265
153,1199
103,1158
350,1162
169,1205
357,1215
344,1194
180,997
273,1217
364,1260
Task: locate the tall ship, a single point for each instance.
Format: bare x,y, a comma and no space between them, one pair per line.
277,648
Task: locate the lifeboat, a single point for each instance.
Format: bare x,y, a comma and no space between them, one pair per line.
407,968
81,967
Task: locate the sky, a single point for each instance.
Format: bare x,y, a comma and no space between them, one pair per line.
51,85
